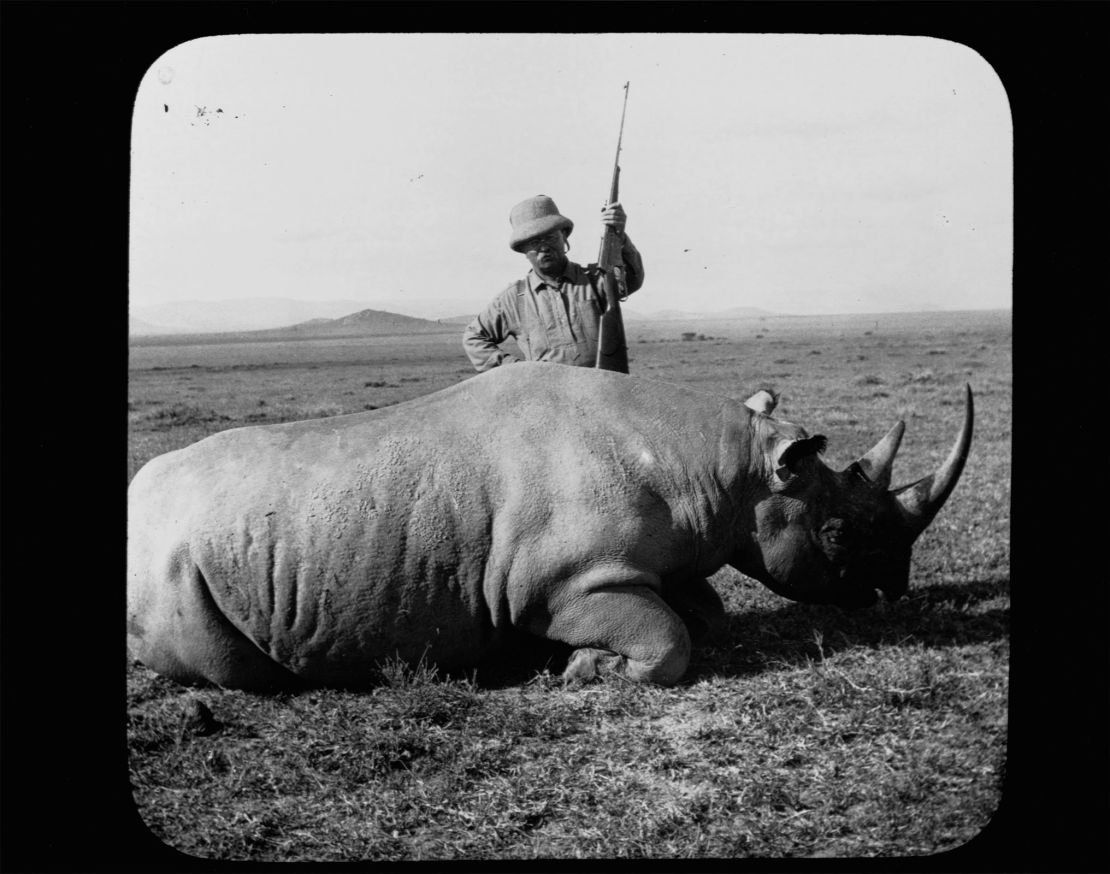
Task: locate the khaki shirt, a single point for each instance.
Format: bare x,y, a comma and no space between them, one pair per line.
549,323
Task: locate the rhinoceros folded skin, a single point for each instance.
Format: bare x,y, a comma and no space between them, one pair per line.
575,504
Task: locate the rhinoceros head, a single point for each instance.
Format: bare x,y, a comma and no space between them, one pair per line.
823,536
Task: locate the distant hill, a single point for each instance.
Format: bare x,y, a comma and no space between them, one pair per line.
140,327
365,323
249,314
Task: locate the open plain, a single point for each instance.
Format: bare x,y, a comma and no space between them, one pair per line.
807,731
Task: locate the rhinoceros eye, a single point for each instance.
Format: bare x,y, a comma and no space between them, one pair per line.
855,470
834,533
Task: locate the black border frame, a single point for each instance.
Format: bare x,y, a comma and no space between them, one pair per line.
70,71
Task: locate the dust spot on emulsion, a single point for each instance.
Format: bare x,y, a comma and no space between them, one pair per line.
165,75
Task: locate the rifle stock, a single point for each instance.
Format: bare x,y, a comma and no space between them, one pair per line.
612,348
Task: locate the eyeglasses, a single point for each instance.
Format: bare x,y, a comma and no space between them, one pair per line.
554,240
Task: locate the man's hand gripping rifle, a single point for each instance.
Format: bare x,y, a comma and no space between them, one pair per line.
612,349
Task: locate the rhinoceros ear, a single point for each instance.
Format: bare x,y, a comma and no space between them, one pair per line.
791,454
763,401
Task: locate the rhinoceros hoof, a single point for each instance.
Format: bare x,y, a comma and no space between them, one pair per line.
588,664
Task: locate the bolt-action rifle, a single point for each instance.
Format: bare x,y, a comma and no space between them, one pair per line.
612,349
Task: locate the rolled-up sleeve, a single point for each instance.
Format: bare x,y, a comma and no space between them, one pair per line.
492,326
633,266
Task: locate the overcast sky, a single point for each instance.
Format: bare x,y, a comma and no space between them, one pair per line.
799,174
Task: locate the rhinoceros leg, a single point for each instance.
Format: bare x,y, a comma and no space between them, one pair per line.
628,630
698,605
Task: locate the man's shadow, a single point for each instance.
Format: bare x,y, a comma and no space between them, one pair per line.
759,639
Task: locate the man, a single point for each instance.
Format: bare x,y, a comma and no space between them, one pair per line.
553,311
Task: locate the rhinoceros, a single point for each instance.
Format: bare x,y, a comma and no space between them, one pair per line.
578,505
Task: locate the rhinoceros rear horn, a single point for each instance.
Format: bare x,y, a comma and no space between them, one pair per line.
876,465
922,500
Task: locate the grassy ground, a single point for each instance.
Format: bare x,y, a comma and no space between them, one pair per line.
803,731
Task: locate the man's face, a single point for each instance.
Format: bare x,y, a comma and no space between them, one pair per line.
546,254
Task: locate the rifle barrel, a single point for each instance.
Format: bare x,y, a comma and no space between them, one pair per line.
614,187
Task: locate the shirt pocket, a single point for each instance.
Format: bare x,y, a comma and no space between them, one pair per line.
537,325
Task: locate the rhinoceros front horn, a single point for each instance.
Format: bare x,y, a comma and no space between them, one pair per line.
922,500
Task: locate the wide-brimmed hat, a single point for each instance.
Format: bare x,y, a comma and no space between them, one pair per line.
534,217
